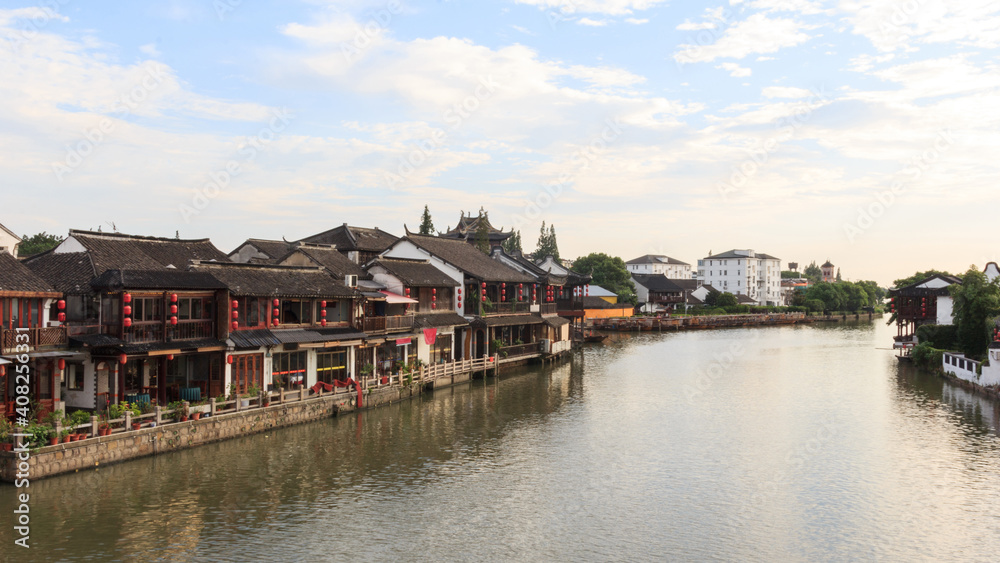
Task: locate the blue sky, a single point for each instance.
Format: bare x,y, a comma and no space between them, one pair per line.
860,132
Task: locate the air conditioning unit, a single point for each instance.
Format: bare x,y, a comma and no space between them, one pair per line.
351,280
546,345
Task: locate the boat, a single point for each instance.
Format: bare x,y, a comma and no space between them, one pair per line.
594,337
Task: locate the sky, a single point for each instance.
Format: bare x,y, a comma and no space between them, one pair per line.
865,133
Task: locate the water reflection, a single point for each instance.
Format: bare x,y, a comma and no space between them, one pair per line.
809,443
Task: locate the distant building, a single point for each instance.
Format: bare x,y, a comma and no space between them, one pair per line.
357,243
657,264
925,302
828,272
9,241
468,226
793,266
743,272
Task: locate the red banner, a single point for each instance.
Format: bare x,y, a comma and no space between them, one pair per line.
430,335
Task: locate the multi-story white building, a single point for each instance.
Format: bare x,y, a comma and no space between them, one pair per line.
744,272
656,264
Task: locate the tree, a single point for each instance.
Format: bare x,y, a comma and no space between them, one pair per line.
832,295
38,243
483,233
426,225
975,302
788,274
513,243
875,293
856,296
610,273
726,300
547,245
838,275
919,276
813,272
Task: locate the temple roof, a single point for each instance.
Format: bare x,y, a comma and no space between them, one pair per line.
469,224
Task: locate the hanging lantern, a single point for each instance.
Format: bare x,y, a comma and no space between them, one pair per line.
61,304
460,304
229,359
484,285
434,305
62,317
170,357
323,303
236,304
173,298
434,298
277,303
460,292
236,315
322,312
407,292
173,309
322,322
127,321
62,364
275,313
122,359
274,322
127,310
126,298
235,325
434,291
173,320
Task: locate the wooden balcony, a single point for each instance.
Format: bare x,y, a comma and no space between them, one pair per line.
396,323
509,308
37,339
529,349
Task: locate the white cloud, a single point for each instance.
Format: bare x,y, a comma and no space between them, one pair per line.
762,59
756,34
893,24
735,69
607,7
150,49
692,26
785,92
636,21
592,23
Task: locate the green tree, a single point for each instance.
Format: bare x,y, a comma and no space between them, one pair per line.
975,302
426,225
726,300
856,296
838,275
547,245
788,274
815,305
483,234
38,243
919,276
610,273
875,293
833,296
513,243
813,272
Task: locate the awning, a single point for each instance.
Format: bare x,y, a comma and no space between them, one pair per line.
392,298
373,295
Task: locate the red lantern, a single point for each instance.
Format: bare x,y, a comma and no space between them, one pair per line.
236,315
276,314
229,359
236,304
235,325
434,297
322,322
173,298
434,291
173,309
322,304
62,364
126,298
62,317
484,285
503,285
127,310
122,359
61,304
322,313
173,320
274,322
127,321
170,357
3,371
459,304
459,292
434,305
407,292
277,302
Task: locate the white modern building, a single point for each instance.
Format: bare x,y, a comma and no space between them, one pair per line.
743,272
657,264
9,241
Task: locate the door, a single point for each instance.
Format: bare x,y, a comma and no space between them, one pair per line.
247,371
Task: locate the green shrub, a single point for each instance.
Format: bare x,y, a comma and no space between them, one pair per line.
938,336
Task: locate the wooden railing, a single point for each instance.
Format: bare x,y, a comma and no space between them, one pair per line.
47,337
519,350
507,308
379,324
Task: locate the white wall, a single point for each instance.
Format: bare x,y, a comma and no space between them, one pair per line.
757,278
991,371
8,243
406,249
944,310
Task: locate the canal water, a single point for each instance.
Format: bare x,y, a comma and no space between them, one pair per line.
771,444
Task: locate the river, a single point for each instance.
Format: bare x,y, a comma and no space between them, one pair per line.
768,444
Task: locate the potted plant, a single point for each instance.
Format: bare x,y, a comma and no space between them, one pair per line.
178,411
64,436
78,419
367,370
51,435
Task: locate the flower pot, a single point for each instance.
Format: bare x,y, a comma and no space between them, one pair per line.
53,441
67,438
136,425
244,403
104,431
73,437
195,415
184,418
80,436
7,447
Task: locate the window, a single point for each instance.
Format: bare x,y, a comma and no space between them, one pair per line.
441,352
74,376
331,366
296,311
288,369
147,309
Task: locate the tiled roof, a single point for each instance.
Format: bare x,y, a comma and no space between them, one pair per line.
275,249
111,251
253,338
656,259
507,320
661,283
328,257
435,320
16,277
262,280
305,336
415,273
469,259
70,273
468,227
156,279
354,238
733,254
